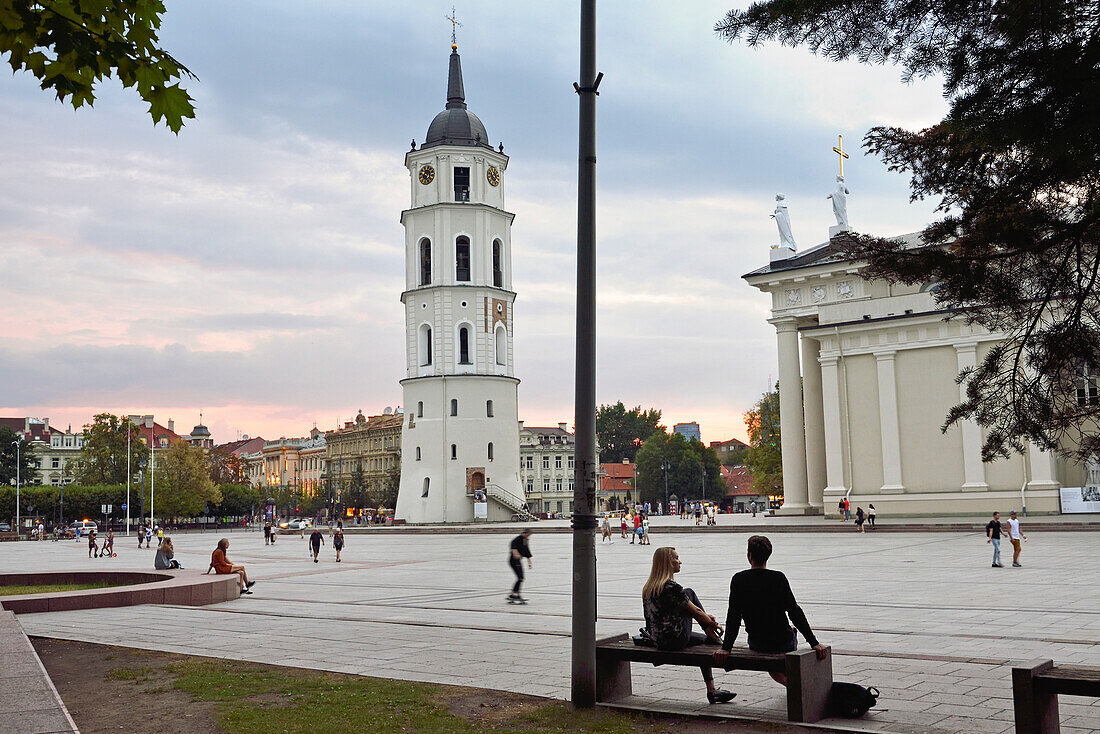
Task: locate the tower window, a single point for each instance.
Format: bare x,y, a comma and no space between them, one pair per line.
464,345
488,408
425,261
462,183
501,345
418,453
462,259
454,406
425,345
426,482
490,451
498,267
420,409
454,451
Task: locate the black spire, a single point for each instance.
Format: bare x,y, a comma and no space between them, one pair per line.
456,95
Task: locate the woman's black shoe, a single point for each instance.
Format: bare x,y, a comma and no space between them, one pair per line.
720,696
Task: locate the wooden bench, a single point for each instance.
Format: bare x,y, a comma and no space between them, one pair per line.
808,679
1035,689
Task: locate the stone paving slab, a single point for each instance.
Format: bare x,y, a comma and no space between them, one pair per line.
921,616
29,703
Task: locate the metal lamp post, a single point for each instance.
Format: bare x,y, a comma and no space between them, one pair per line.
666,466
18,465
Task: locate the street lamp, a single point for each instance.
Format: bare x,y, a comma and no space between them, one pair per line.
18,465
666,466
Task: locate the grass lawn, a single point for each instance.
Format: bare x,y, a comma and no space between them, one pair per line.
53,588
263,699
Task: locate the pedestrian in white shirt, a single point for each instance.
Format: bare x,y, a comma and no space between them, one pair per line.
1015,535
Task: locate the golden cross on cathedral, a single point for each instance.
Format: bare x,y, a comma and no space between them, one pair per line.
454,27
839,150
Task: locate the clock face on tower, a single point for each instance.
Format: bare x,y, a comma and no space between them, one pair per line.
492,176
427,173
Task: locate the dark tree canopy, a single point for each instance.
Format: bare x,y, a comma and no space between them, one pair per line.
1015,166
72,45
764,456
11,458
694,471
620,432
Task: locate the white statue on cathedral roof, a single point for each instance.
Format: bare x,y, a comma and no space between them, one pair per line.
840,204
783,221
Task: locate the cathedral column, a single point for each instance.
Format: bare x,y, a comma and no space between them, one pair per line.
973,468
1043,470
834,447
888,422
815,421
793,435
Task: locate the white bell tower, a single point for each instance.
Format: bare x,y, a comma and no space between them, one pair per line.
460,439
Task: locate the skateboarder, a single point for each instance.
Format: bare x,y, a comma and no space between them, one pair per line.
517,551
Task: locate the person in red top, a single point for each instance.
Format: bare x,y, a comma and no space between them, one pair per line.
637,528
219,563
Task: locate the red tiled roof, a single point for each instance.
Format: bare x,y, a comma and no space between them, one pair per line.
243,446
617,477
37,432
738,481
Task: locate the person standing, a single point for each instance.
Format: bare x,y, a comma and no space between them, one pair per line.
607,530
840,509
698,514
847,510
622,524
1015,535
871,512
993,535
109,545
93,549
316,540
517,551
338,540
637,533
645,530
859,518
752,507
267,533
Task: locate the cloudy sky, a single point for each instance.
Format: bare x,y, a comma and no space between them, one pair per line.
251,267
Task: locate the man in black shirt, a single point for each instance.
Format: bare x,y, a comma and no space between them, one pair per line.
993,535
518,550
764,600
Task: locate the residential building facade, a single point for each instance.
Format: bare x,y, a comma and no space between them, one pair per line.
546,468
368,444
617,486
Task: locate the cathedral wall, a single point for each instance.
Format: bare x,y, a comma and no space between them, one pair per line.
863,422
930,459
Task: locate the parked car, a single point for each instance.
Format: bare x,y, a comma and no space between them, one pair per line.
5,527
83,527
296,524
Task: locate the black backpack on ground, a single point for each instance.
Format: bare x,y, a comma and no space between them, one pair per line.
852,700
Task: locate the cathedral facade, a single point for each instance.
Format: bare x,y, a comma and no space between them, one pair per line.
866,377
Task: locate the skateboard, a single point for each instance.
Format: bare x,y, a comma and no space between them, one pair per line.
516,600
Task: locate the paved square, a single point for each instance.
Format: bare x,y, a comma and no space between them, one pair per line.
921,616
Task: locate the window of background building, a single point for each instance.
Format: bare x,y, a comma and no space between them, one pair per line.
546,462
545,485
559,485
570,461
557,462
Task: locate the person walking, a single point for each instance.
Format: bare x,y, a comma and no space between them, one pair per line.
637,532
517,551
993,531
645,531
669,609
267,533
840,509
141,534
764,600
752,507
606,538
338,540
1015,535
871,512
859,518
316,540
622,524
148,536
698,514
160,535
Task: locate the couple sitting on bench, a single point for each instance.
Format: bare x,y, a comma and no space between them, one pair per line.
759,596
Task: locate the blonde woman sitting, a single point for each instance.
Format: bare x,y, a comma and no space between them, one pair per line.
669,609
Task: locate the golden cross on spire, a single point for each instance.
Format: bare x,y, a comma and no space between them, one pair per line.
454,27
839,150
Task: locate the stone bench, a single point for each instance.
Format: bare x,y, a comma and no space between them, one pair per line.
28,700
808,679
1035,690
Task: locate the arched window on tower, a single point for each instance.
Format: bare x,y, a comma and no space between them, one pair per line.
462,259
488,408
425,261
501,345
464,345
490,451
498,264
454,406
425,345
418,453
420,409
454,451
